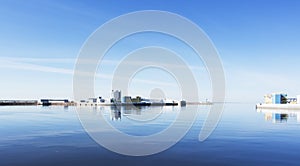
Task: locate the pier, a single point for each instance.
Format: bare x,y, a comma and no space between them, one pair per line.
278,106
64,102
18,102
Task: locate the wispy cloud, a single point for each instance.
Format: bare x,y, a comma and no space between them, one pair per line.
37,60
155,82
90,61
27,64
168,65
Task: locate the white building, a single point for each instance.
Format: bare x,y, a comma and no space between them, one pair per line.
116,96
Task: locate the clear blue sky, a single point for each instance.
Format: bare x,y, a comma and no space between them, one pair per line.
258,42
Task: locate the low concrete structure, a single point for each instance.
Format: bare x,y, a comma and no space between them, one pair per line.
278,106
18,102
48,102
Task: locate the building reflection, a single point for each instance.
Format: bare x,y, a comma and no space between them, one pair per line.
280,116
131,109
115,113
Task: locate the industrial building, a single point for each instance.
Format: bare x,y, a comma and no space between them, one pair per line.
126,99
280,101
276,98
138,100
291,100
92,101
116,96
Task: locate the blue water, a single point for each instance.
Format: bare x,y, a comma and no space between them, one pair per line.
35,135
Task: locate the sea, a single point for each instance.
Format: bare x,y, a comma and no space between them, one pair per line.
57,135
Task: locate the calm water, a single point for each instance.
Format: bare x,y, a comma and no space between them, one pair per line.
244,136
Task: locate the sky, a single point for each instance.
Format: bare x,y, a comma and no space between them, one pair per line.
257,41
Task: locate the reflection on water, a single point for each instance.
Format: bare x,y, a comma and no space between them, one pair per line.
280,116
54,136
137,113
115,113
133,120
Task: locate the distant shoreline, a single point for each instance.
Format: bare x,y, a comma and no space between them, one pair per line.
36,103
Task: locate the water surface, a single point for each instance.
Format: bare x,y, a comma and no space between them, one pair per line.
35,135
